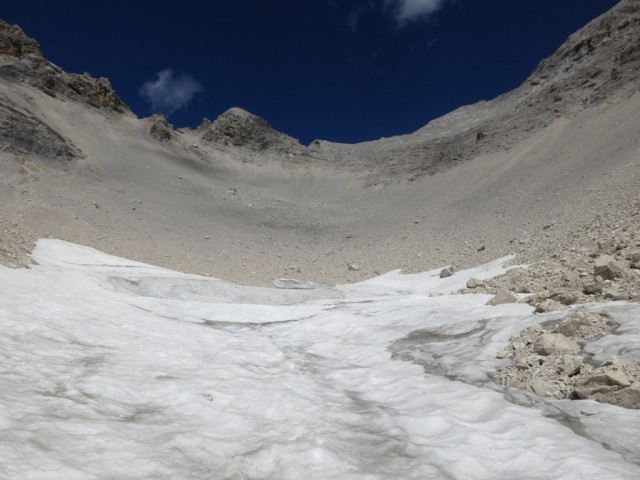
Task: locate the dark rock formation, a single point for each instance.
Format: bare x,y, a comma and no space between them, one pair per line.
239,128
14,43
160,129
23,133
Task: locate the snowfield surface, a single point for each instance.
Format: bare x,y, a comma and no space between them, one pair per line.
116,369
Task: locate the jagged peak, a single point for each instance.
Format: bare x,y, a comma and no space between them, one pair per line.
241,128
27,65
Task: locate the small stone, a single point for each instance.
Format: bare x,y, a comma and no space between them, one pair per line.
571,277
475,283
607,247
585,368
503,354
612,362
502,297
549,305
446,272
515,382
353,267
588,412
592,288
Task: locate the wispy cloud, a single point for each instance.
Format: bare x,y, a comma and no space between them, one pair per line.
410,10
354,18
170,91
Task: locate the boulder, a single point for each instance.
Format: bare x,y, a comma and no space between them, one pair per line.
627,397
503,296
611,387
613,292
565,297
475,283
446,272
571,364
554,343
607,267
542,388
599,382
574,325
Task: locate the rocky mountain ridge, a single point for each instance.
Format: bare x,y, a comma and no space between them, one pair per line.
598,65
24,62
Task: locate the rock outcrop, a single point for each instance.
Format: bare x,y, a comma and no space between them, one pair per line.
239,128
23,133
14,42
160,129
24,63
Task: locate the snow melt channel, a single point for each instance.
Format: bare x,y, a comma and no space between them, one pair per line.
116,369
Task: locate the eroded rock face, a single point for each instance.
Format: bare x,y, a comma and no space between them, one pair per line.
549,361
97,92
14,42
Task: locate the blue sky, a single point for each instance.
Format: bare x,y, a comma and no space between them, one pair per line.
340,70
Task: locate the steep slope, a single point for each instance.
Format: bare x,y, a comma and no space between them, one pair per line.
238,200
598,65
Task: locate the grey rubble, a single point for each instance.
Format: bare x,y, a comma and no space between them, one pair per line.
547,360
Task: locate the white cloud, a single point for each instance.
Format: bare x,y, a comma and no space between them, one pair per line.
354,18
409,10
170,91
